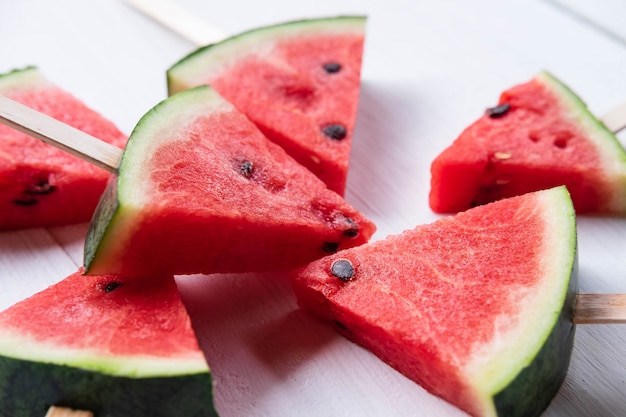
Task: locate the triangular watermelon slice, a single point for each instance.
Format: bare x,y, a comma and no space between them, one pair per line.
298,81
540,135
39,184
113,346
201,190
474,307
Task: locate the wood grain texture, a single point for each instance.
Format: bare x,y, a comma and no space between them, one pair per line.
600,309
58,134
615,119
430,69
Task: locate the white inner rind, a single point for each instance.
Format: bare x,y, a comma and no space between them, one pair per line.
494,365
22,347
163,124
22,80
203,65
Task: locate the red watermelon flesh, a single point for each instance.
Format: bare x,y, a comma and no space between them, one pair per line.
539,136
107,344
474,307
201,190
39,184
107,316
295,81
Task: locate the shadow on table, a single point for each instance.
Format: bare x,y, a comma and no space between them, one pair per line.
249,326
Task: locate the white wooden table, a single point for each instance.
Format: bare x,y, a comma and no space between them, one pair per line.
430,69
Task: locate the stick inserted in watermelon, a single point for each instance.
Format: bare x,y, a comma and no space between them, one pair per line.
590,308
40,185
115,347
201,190
540,135
298,82
477,307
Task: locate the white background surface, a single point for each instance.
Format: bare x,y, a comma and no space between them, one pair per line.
430,69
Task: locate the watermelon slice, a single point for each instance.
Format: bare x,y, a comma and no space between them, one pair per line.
201,190
475,307
39,184
540,135
113,346
298,82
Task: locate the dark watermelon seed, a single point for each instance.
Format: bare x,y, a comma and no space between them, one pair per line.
498,111
342,269
246,169
112,286
332,67
353,230
330,247
43,187
26,202
341,325
335,131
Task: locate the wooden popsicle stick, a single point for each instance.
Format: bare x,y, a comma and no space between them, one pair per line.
615,119
600,309
58,134
55,411
179,21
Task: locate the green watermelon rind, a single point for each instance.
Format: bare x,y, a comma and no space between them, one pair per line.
196,67
151,130
530,384
124,195
524,396
612,153
519,370
21,79
105,213
42,384
20,346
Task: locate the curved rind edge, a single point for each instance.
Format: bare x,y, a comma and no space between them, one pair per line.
196,59
28,388
534,387
612,153
104,213
111,224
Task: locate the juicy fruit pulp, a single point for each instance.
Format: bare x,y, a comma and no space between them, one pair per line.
474,307
201,190
539,136
298,82
40,185
114,346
